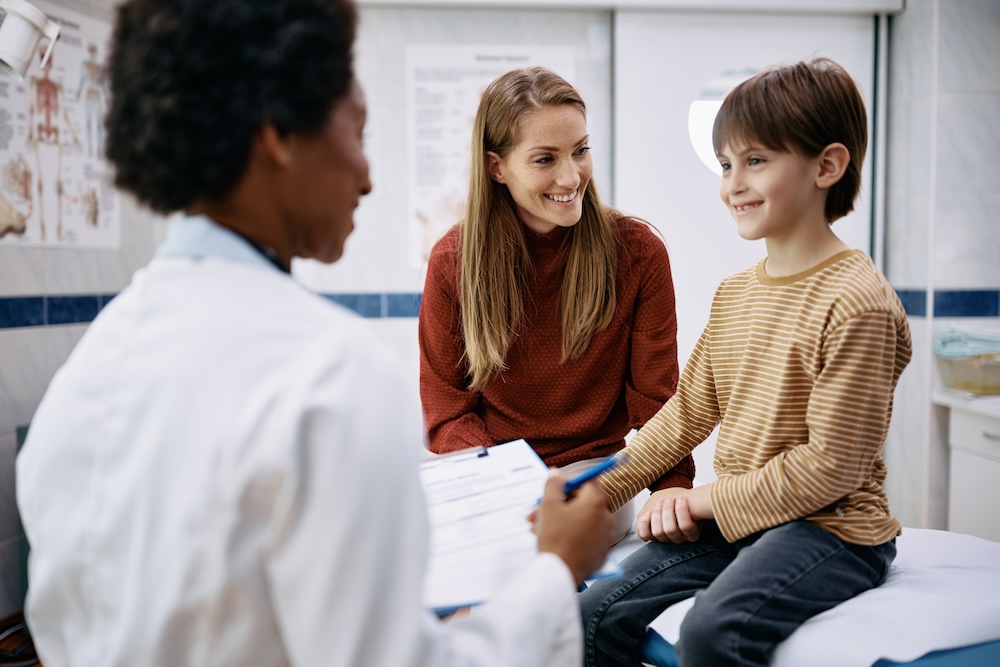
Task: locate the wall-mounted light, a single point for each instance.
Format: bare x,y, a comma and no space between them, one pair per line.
22,27
702,112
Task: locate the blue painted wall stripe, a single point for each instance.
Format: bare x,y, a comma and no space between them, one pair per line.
35,311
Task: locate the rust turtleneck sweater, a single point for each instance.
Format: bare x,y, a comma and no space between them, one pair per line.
570,411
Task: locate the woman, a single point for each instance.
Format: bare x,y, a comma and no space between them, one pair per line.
205,481
546,315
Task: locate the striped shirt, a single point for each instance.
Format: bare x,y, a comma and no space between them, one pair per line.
800,373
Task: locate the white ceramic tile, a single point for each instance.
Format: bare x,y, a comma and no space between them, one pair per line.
376,257
930,424
906,241
967,240
28,359
910,64
909,146
970,45
938,453
22,270
907,445
899,118
25,372
968,141
401,335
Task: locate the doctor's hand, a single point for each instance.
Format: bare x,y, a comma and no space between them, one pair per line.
672,515
579,529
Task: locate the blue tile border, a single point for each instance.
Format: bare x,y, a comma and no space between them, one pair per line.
35,311
952,303
365,305
914,302
402,305
72,309
967,303
22,311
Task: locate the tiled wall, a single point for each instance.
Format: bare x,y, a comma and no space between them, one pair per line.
942,233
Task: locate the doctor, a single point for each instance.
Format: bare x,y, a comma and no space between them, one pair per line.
224,471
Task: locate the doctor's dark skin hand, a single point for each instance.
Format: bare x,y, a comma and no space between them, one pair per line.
579,529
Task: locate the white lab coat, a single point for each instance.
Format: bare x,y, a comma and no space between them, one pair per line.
224,472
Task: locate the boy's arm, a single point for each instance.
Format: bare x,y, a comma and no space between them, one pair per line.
681,424
653,367
847,416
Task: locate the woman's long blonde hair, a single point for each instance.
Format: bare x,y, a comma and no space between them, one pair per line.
494,260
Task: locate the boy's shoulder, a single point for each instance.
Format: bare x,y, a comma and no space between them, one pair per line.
850,278
857,280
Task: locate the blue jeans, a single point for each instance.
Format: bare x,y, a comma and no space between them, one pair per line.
749,595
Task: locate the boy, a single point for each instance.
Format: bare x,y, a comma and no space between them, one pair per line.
798,364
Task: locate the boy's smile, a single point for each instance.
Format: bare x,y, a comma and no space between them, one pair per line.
771,194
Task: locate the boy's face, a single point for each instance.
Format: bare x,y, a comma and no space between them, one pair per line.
770,193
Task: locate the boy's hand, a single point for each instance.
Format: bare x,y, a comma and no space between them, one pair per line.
579,529
672,515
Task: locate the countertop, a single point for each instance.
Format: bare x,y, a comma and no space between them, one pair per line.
987,406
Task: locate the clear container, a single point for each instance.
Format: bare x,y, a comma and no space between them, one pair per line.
978,374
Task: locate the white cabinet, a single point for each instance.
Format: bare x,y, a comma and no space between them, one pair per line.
974,477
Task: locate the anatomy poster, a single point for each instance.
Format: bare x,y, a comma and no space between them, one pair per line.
444,84
55,187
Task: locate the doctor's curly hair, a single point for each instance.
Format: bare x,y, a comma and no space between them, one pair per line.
192,81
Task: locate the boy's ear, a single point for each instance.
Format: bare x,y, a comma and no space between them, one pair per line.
494,166
833,162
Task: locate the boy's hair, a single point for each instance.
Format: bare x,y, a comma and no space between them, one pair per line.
803,107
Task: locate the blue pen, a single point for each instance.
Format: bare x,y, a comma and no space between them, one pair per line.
590,473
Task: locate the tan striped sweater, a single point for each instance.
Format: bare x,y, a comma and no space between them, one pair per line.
800,371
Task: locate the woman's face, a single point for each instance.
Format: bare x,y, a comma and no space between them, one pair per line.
548,169
329,176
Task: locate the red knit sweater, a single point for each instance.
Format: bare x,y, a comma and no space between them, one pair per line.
566,411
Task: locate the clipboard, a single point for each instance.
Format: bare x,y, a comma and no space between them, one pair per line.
478,501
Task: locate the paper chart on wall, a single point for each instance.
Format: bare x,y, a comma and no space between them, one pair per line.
55,187
444,84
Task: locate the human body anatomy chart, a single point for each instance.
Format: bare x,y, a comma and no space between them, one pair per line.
55,187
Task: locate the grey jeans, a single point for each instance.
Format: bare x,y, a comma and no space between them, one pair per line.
749,595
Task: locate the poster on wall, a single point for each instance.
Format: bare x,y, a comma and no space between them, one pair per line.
444,84
55,187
